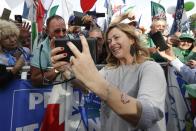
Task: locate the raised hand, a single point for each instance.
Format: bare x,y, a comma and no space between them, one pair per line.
191,63
82,63
25,27
168,54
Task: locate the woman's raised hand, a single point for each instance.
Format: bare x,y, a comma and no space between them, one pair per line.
82,63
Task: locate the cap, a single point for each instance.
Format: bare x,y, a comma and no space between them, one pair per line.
71,20
187,36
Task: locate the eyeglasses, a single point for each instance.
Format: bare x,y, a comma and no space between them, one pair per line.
186,40
57,31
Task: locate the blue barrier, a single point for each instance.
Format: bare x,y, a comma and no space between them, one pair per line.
22,106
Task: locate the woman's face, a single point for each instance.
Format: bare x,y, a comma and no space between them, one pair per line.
119,44
10,42
185,44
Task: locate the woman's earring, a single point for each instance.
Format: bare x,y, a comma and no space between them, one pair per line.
133,50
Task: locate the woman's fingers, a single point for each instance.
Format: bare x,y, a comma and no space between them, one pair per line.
74,49
84,43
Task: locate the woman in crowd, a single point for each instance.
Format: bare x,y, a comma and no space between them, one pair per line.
132,88
11,54
185,49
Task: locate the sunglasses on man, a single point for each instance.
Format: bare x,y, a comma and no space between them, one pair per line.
57,31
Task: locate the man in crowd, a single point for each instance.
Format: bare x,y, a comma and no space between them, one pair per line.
40,62
96,32
157,25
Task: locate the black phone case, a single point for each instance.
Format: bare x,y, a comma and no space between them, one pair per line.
62,42
18,18
159,41
6,14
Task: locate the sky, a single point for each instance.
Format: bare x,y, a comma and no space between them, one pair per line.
142,7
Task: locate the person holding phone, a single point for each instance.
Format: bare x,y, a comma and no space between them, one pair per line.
157,25
40,61
188,74
131,87
97,33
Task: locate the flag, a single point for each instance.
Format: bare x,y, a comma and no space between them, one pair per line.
106,3
54,118
25,10
34,35
40,12
176,26
53,10
63,8
28,10
47,4
157,11
86,5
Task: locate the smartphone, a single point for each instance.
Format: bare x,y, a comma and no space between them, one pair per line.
159,41
6,14
100,15
62,42
95,14
18,18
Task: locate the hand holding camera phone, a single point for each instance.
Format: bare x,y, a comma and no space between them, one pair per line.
62,42
159,41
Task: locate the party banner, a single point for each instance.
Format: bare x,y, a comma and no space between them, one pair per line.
22,106
178,111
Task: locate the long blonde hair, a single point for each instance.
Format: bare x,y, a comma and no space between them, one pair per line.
139,53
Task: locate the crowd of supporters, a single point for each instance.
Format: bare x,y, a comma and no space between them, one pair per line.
130,81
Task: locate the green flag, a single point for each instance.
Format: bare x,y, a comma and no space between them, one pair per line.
34,34
53,10
157,11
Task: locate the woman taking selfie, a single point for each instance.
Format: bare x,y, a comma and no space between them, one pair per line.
132,88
